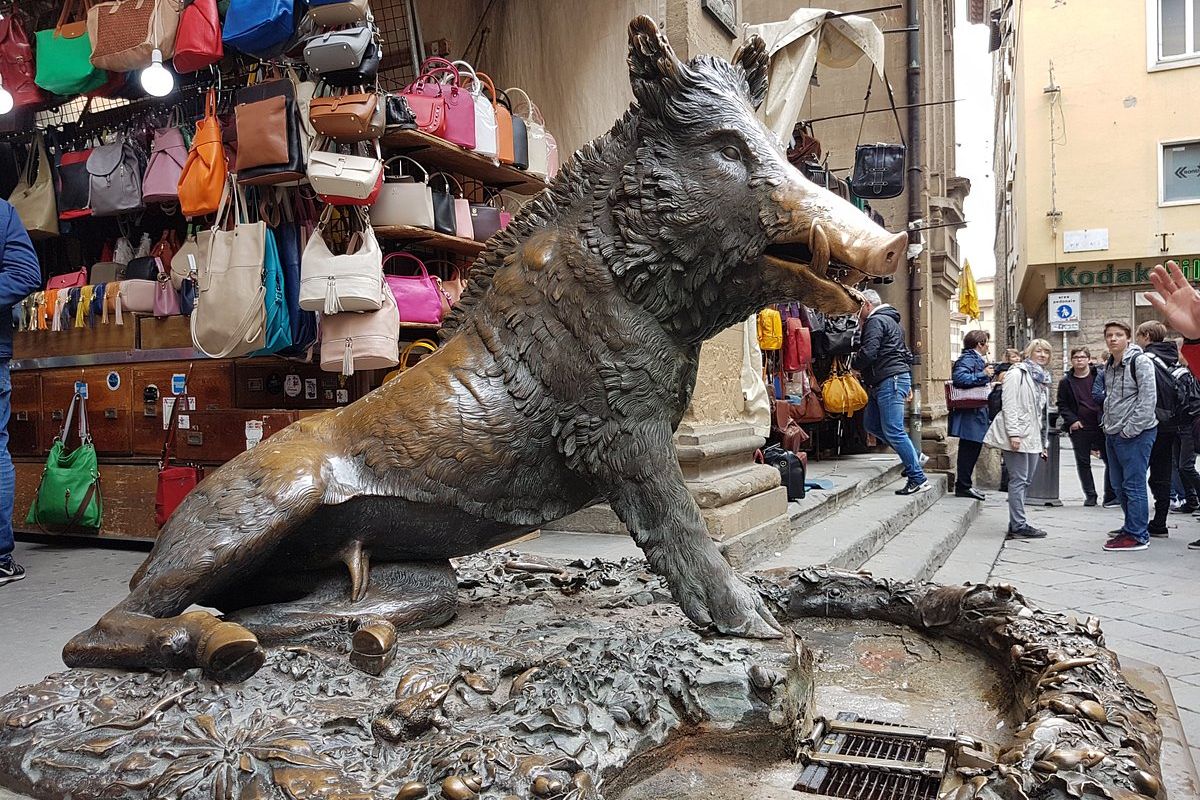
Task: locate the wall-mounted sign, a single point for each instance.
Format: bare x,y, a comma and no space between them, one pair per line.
1062,308
1085,240
724,12
1124,275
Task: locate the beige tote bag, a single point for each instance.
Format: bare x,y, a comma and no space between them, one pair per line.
352,342
34,198
230,315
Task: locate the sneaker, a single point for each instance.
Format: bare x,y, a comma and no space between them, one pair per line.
1027,532
1185,509
1194,545
1124,542
10,571
974,494
1089,502
1112,503
912,487
1160,533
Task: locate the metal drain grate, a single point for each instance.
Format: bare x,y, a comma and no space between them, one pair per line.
863,759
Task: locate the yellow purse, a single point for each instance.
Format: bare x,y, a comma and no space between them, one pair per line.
841,392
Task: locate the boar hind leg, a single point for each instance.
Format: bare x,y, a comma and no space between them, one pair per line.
650,497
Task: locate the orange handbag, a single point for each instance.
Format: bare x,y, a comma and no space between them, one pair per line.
504,126
203,180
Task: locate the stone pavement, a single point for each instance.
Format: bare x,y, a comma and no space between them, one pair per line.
1148,602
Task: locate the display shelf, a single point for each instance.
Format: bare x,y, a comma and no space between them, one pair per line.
438,154
428,238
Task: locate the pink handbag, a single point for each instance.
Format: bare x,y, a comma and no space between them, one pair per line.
168,154
69,281
166,297
459,126
361,341
418,297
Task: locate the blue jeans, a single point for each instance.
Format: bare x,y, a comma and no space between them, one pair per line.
885,421
8,476
1129,465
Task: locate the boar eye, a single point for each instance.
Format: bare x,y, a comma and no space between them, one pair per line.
731,153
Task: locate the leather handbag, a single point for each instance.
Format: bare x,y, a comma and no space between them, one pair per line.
125,33
143,268
451,212
17,70
70,280
504,124
398,115
349,117
451,281
797,345
73,185
404,200
175,481
486,141
520,135
456,106
352,342
137,295
259,28
68,493
198,39
837,337
229,319
115,179
841,393
186,260
427,100
363,75
535,127
485,218
352,281
166,296
278,326
343,180
168,154
289,231
335,14
64,54
273,128
343,49
879,170
164,249
418,298
33,198
967,399
203,180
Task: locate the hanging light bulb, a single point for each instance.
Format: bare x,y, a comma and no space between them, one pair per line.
6,100
156,79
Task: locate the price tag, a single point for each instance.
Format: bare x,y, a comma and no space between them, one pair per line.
254,432
81,389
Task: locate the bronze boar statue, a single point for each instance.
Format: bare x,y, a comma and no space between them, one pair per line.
565,371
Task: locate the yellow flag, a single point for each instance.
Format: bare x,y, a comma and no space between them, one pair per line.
968,293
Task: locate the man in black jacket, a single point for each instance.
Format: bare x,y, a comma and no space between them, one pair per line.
885,363
1079,414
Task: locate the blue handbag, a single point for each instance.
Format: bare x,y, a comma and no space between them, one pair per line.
279,327
259,27
304,323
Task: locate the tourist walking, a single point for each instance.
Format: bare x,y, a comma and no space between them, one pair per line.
1079,414
1021,431
20,275
970,425
1130,428
885,363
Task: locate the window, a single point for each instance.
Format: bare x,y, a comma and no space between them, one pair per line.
1180,172
1174,32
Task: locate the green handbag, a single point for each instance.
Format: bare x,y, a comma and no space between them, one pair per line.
64,55
69,492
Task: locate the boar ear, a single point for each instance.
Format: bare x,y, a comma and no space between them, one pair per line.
752,58
654,69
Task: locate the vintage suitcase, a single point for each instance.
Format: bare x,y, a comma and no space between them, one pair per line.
109,394
209,385
24,425
278,383
214,437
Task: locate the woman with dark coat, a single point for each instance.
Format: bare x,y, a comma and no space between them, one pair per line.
970,425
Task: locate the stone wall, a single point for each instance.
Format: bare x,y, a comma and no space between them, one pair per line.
1098,306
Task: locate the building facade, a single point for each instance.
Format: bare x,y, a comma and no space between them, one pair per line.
1097,159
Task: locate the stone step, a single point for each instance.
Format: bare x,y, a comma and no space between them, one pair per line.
919,550
849,538
762,542
976,554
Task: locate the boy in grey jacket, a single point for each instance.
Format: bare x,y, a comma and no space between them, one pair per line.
1130,427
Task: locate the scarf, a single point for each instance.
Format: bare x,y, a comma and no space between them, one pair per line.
1040,374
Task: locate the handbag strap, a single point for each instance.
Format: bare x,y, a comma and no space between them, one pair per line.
454,274
435,65
240,333
411,348
66,14
534,113
409,256
486,82
476,88
867,102
447,178
410,160
164,459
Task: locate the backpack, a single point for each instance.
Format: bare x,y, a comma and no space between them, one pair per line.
770,329
1178,402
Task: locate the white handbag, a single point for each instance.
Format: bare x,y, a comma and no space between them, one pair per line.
189,255
404,200
352,281
487,141
341,179
535,128
361,341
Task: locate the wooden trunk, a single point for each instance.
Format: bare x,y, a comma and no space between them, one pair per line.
25,423
278,383
209,383
214,437
127,491
104,338
166,333
109,403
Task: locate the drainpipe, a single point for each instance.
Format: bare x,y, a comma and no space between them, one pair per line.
914,204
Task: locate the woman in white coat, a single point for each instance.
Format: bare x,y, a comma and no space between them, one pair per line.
1021,430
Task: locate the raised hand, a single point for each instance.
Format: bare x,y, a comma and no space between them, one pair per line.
1176,299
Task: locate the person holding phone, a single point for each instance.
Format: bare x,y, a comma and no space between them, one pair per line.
1021,431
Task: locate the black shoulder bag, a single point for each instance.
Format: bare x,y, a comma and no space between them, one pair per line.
879,168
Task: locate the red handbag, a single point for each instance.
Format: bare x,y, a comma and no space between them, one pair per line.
17,64
797,345
174,482
69,281
198,39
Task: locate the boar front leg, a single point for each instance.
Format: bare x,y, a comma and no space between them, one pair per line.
647,492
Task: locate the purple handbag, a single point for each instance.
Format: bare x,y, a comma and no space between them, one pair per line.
418,297
166,298
168,154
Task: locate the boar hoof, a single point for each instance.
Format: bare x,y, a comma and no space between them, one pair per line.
228,653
